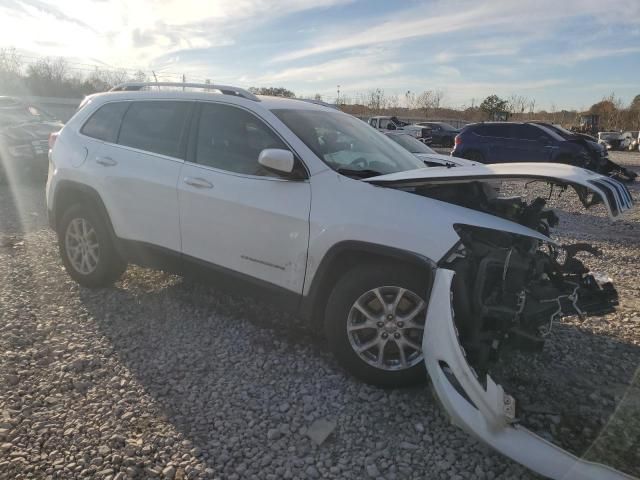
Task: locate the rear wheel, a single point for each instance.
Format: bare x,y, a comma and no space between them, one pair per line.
87,249
375,322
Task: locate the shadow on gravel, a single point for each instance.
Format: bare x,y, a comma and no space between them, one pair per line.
582,393
22,207
222,382
221,368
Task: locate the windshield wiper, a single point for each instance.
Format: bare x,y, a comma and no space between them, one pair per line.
358,173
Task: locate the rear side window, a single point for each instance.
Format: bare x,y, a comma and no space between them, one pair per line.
501,131
529,132
156,127
105,122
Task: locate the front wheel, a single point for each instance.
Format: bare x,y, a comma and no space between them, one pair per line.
375,322
87,249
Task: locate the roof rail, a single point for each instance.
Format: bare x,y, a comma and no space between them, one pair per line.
223,89
318,102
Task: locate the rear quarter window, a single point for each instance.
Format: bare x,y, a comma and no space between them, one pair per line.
104,124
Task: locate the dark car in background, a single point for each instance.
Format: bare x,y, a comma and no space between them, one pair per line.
24,139
441,133
501,142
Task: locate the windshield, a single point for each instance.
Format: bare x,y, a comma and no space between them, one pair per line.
345,143
22,114
444,126
563,131
411,144
609,135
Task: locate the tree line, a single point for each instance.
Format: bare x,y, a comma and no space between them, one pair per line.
55,77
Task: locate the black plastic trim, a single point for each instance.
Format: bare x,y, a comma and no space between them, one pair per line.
157,257
309,302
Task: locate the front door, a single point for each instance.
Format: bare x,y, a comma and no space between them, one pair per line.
234,213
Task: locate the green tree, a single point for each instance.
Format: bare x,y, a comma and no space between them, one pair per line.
272,91
493,104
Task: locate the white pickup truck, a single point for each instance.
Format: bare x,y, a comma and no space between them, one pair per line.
388,123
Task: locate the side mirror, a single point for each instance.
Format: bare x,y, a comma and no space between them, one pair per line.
277,160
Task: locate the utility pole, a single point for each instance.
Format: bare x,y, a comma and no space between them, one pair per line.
338,97
184,80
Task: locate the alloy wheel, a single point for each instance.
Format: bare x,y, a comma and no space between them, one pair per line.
82,247
385,327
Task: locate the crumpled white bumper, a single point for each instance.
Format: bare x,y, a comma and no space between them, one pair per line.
491,414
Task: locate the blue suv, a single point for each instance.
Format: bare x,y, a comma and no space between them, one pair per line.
501,142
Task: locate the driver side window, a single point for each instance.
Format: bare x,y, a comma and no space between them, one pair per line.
384,123
231,139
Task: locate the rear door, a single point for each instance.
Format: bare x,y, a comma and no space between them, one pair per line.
526,144
490,140
234,214
137,170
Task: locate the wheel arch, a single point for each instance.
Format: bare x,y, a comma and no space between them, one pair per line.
68,193
345,255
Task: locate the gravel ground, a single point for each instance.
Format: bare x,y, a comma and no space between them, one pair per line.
161,377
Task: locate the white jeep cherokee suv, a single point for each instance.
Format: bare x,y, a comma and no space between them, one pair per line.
328,216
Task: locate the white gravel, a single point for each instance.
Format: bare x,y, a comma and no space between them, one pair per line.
161,377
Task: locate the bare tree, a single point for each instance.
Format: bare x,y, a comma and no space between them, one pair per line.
532,106
425,102
49,69
393,103
517,105
410,99
437,97
376,100
10,71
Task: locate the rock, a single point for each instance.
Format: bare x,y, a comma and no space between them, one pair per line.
319,430
104,450
169,472
312,472
273,434
372,470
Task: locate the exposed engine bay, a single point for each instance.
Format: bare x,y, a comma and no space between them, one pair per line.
503,285
509,289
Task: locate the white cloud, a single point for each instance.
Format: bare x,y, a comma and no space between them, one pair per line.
372,64
132,33
499,16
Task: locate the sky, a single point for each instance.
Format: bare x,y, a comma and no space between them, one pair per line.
563,53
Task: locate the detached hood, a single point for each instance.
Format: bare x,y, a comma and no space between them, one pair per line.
592,188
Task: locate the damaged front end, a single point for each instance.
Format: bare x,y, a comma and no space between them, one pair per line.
509,290
497,289
479,406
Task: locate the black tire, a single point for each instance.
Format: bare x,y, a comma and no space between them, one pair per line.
474,156
110,264
349,288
